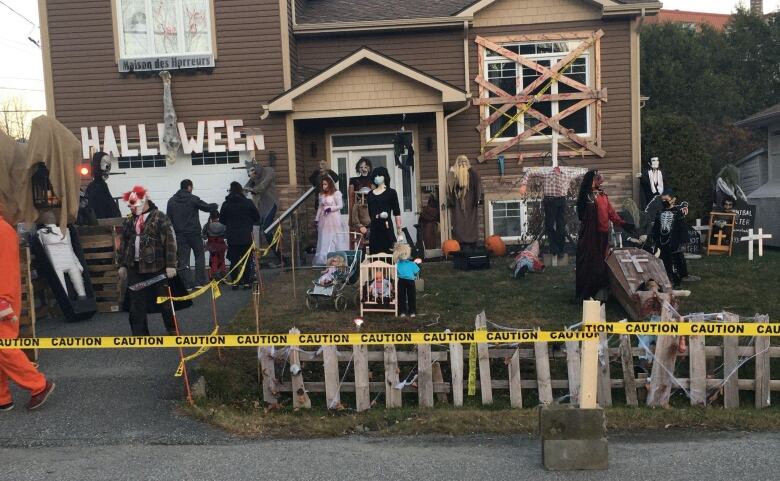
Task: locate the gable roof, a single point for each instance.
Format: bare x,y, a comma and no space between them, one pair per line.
449,93
336,11
761,119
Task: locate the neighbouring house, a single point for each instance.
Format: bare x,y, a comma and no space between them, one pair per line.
304,80
760,172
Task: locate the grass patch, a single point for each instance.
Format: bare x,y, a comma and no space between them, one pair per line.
252,421
452,298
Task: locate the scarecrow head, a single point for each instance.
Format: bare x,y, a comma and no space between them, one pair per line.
137,200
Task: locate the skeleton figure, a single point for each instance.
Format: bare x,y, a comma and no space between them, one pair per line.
666,220
60,252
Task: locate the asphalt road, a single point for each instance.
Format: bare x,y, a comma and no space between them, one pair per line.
112,418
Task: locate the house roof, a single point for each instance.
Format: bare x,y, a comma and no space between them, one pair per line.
761,119
331,11
715,20
750,156
449,93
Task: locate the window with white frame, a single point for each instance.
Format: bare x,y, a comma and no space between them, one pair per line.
508,219
215,158
164,28
513,78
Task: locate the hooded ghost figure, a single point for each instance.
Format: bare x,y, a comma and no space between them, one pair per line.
60,252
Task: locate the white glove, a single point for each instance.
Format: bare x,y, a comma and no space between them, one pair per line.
384,215
170,272
122,273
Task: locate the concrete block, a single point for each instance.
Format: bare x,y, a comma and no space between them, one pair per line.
575,454
560,422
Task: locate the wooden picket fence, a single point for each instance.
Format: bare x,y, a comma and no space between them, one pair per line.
346,370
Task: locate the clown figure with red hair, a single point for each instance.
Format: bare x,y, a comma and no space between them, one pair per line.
147,250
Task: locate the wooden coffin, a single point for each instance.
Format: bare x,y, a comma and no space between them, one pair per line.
628,268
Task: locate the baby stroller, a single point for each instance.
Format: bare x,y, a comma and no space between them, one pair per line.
341,271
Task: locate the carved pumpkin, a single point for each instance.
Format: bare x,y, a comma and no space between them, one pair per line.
495,246
450,246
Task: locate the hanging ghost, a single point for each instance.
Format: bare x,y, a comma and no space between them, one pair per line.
170,135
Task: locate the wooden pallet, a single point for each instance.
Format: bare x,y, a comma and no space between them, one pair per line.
28,315
99,246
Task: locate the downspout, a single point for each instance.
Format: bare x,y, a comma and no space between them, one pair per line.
444,212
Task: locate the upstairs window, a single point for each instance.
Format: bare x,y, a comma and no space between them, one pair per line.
215,158
513,78
164,28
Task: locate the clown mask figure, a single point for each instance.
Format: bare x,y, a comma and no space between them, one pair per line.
137,200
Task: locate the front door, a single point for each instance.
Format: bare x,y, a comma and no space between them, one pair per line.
345,158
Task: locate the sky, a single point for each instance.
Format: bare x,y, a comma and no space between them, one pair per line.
22,71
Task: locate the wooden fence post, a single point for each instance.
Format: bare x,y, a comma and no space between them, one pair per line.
438,377
543,383
663,366
605,375
515,389
424,376
762,367
697,360
730,372
629,379
392,395
362,391
456,366
299,394
589,364
270,387
483,354
330,363
573,368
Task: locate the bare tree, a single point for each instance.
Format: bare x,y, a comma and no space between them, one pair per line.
15,117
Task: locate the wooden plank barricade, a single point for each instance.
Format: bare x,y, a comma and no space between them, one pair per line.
99,244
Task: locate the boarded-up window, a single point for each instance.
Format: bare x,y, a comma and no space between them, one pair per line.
155,28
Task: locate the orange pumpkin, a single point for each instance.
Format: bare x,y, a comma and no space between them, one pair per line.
450,246
495,246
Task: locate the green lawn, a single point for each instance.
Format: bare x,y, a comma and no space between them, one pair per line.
452,298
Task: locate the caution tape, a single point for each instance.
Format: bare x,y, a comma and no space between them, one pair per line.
239,266
194,355
589,332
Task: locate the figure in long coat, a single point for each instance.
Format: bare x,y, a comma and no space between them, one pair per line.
465,191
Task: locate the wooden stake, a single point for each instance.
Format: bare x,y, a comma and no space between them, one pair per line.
330,363
392,395
544,385
456,366
589,368
362,393
187,389
300,395
762,367
515,390
438,377
663,366
214,316
256,306
485,381
627,360
698,370
270,383
730,373
424,376
605,380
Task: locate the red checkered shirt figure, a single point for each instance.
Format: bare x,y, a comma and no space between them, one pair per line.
555,181
14,364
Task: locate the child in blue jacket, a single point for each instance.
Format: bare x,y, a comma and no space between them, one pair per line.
407,273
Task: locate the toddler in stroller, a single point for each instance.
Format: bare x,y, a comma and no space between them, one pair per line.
339,273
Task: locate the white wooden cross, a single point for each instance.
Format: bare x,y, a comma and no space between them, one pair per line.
760,238
700,228
636,261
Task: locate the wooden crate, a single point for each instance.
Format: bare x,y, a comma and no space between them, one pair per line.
28,315
99,246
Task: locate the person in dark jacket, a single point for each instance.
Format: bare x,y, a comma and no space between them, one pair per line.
670,233
183,210
239,215
97,193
